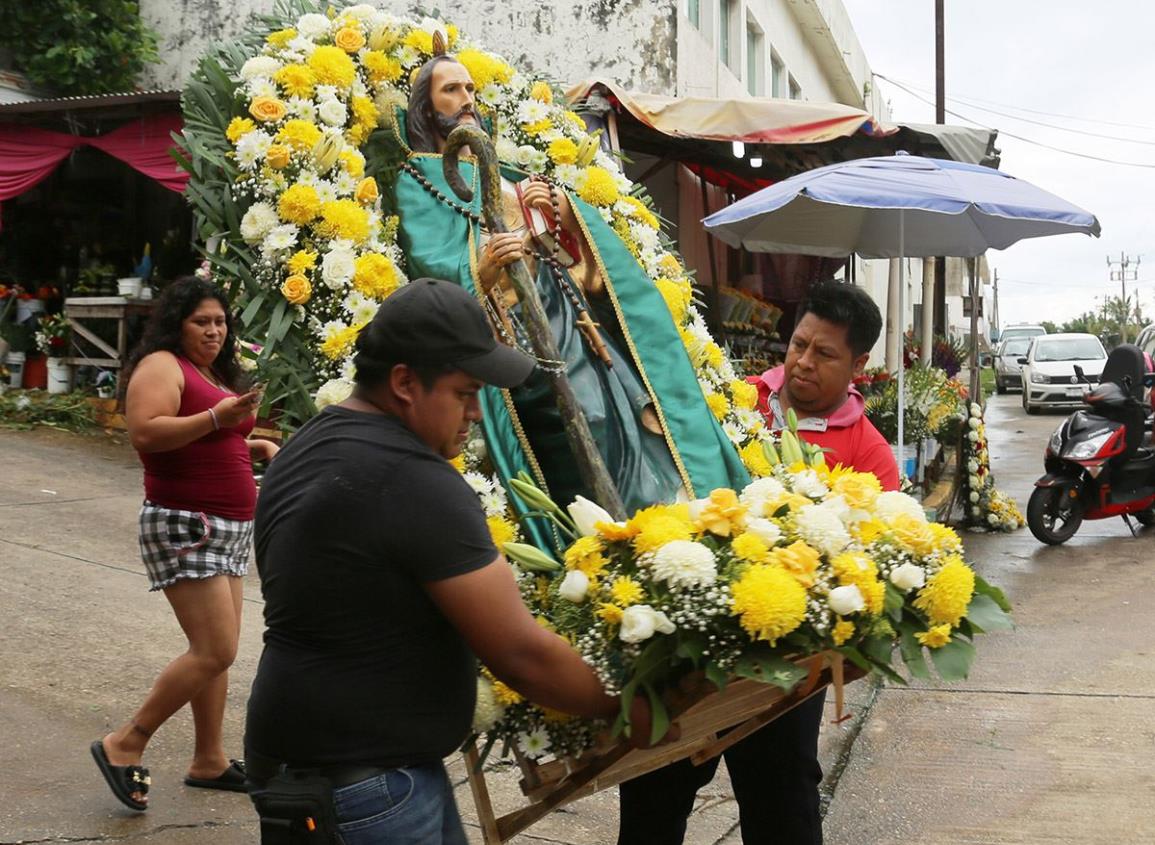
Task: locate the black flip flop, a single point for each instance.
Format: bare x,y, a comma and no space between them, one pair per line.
122,780
231,779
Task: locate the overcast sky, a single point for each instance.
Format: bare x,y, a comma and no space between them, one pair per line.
1091,61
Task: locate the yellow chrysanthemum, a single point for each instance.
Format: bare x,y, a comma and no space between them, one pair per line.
745,394
585,555
506,694
610,613
677,295
859,489
597,186
641,211
537,127
659,525
574,119
724,513
713,354
374,275
296,80
913,533
754,459
353,163
340,343
364,111
419,40
869,530
947,595
485,68
299,204
333,66
935,637
750,548
768,602
626,591
541,92
843,631
344,219
281,37
458,462
299,134
791,501
381,68
615,532
669,265
238,128
719,405
946,539
799,560
855,568
562,151
501,530
301,261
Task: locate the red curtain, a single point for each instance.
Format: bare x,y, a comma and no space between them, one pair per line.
28,155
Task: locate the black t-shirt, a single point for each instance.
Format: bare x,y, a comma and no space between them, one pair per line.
359,665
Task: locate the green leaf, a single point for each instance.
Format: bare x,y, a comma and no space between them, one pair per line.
690,649
953,661
659,716
985,614
770,669
911,650
986,589
716,675
879,649
893,602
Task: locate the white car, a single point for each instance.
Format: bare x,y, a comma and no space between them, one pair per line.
1048,370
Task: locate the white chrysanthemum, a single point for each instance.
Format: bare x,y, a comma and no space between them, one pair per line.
645,235
259,66
337,265
809,484
279,239
345,183
480,484
325,92
892,503
760,490
331,328
358,89
333,112
537,162
494,503
525,154
766,529
506,149
534,744
551,135
408,56
258,220
685,563
300,48
260,86
606,213
362,12
490,95
821,527
326,190
251,149
531,111
333,391
748,418
348,371
733,432
302,108
360,307
566,174
313,26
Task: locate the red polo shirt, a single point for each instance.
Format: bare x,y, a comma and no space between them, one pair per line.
850,438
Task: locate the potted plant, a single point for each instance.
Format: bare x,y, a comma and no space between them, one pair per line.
52,339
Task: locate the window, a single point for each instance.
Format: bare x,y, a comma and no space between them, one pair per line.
795,88
755,58
726,43
694,12
777,76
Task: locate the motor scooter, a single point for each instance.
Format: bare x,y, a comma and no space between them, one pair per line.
1097,464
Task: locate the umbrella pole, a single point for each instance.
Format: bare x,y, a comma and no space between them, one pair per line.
901,339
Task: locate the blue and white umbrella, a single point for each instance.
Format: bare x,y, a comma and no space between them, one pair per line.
894,207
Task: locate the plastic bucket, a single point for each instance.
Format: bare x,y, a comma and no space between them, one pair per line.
25,308
59,376
15,368
35,372
128,287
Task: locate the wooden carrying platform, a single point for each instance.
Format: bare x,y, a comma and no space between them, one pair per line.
743,707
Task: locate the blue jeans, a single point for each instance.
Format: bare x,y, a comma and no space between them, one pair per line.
411,806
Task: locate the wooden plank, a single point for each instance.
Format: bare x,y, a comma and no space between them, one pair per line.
481,800
81,361
94,339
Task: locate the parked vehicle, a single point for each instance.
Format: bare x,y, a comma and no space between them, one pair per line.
1021,330
1049,374
1096,463
1008,370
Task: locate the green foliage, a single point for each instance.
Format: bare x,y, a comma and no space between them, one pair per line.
79,46
24,409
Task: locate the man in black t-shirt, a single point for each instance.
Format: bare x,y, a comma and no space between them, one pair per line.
381,582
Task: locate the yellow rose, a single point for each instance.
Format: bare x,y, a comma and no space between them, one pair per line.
366,192
277,157
296,289
267,109
348,39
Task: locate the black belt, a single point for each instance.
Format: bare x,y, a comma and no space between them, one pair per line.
342,775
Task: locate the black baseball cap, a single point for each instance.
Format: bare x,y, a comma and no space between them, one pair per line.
430,322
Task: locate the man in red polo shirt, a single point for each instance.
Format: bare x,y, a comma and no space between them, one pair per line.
775,772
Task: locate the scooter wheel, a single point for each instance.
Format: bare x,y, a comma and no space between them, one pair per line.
1053,515
1146,517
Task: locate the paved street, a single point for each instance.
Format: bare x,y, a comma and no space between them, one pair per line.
1050,740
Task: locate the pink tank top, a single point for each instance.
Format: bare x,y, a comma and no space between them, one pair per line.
214,474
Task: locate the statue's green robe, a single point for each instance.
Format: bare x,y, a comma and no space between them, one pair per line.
652,365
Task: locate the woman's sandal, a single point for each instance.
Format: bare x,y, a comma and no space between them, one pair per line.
122,780
231,779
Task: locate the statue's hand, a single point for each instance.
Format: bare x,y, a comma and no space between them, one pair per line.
650,421
500,251
537,195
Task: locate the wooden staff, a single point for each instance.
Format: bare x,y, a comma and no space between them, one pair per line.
589,460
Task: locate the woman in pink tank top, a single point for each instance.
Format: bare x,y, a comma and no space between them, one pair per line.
190,414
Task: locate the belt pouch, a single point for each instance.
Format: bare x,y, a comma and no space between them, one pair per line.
296,808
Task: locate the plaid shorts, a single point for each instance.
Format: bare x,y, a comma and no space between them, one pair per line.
178,544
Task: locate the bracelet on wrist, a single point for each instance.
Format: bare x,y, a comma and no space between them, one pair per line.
213,417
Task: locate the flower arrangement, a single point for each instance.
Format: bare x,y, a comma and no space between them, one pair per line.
804,560
934,405
277,132
986,506
53,335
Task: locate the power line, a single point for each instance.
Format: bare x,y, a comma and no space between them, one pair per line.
969,100
1007,134
1037,122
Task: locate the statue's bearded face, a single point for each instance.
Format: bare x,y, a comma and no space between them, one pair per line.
452,97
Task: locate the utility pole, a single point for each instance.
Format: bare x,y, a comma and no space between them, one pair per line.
1122,278
940,316
995,308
